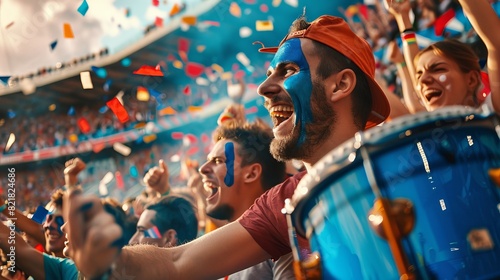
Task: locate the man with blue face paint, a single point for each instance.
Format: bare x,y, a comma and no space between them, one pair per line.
320,90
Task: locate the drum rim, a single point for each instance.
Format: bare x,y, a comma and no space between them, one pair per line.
347,153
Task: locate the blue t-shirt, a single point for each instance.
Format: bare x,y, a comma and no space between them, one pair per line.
59,268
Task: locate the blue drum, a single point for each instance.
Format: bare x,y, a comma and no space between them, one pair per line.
415,198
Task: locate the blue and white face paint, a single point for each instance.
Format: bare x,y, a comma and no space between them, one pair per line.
299,85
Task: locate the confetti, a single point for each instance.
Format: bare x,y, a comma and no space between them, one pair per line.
53,45
245,32
202,81
4,79
121,149
264,8
175,10
52,107
84,7
293,3
264,25
84,125
175,158
241,57
116,106
187,90
194,69
183,55
149,138
276,3
126,62
147,70
68,31
96,148
73,138
107,178
86,80
156,3
27,86
183,45
178,64
71,111
189,20
142,94
192,151
133,171
106,85
103,190
200,48
99,71
177,135
159,22
167,111
119,181
194,109
10,142
235,10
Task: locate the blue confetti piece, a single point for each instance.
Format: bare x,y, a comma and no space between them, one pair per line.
106,85
84,7
11,114
71,111
4,79
53,45
126,62
133,171
103,109
100,72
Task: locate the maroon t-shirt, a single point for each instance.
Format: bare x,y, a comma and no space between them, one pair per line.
265,222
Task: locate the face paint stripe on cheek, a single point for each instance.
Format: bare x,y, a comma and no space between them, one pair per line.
229,152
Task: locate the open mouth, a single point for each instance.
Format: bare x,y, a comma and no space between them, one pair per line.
280,113
211,189
432,94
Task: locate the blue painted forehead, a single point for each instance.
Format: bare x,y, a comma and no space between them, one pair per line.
290,51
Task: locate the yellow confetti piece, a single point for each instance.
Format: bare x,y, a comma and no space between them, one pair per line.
189,20
264,25
140,125
52,107
351,10
10,142
200,48
235,9
178,64
149,138
217,68
68,32
194,109
73,138
167,111
226,76
276,3
142,94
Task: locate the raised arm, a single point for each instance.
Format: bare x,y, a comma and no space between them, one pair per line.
485,22
157,178
26,257
401,13
26,224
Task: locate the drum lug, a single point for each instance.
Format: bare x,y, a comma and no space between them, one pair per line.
494,174
393,220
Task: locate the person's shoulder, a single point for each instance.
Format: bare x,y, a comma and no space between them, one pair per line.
288,185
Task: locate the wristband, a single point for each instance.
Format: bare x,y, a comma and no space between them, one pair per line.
409,37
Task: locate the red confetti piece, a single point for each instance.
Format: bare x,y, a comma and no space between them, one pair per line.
159,22
212,23
177,135
84,125
118,109
251,110
171,57
98,147
194,70
147,70
156,3
192,150
119,181
204,138
239,74
183,56
264,8
191,138
187,90
183,45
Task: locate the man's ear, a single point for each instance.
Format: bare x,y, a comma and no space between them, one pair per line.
341,85
170,238
252,172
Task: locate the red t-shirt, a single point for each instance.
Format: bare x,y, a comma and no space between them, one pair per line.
265,222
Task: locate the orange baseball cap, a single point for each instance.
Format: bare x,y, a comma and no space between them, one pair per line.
335,33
